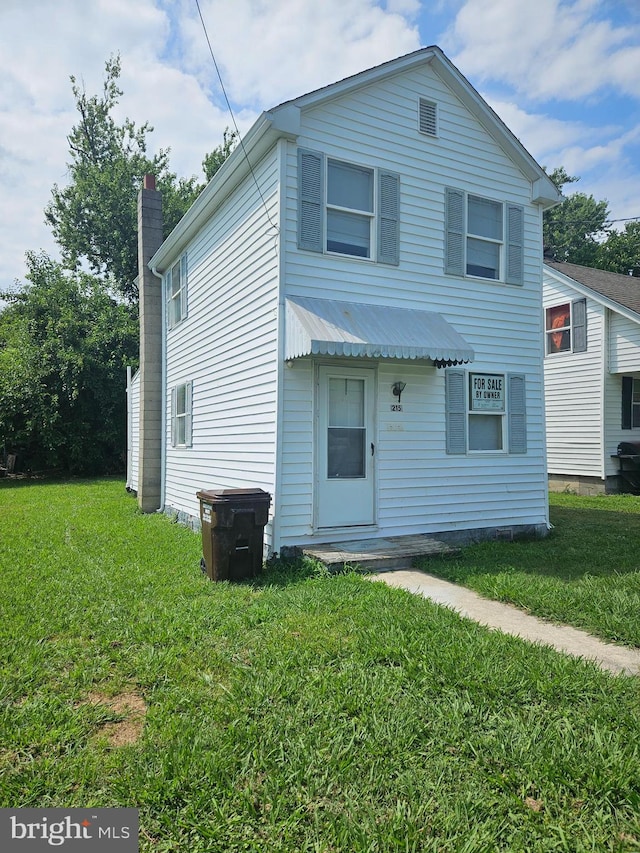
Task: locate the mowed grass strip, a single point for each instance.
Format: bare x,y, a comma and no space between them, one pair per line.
305,712
586,573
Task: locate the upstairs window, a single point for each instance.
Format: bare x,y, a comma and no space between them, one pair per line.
348,209
176,292
566,327
484,238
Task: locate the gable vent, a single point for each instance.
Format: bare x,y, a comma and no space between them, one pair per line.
428,117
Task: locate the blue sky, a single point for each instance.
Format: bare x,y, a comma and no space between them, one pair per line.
563,74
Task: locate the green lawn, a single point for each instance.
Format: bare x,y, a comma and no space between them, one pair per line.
304,713
585,573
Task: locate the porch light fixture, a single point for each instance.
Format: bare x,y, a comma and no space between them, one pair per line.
398,388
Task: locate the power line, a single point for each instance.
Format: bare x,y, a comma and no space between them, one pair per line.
233,118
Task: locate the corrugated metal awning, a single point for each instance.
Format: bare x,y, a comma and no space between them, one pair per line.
332,327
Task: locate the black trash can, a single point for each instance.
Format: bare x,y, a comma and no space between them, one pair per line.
233,522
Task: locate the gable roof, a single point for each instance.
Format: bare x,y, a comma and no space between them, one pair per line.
614,287
284,121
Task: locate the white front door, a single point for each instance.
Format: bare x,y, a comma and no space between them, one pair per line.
345,447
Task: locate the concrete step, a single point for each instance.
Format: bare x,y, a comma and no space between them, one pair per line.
380,555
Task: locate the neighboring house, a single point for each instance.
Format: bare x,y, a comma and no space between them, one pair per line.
591,375
352,323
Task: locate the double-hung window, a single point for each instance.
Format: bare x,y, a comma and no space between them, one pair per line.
181,415
485,412
630,402
347,209
176,292
350,212
484,238
566,327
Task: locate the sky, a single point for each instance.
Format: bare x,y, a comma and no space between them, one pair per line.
564,75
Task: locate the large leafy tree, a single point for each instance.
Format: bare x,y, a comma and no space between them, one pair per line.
620,252
94,217
573,230
64,347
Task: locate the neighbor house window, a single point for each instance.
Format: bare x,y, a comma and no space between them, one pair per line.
485,412
566,327
347,208
176,290
181,415
484,238
630,402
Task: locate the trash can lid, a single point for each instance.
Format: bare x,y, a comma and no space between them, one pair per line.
234,495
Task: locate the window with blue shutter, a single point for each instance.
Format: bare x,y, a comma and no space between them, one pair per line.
310,200
484,238
515,245
348,209
456,410
389,218
517,406
485,412
566,327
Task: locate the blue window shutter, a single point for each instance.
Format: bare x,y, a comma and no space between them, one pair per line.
310,200
183,282
188,427
517,402
515,245
579,325
389,218
173,417
627,400
456,411
454,232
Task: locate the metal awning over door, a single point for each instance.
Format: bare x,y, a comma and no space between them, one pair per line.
332,327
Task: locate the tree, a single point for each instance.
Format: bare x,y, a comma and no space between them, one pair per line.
216,158
94,218
64,347
572,231
620,252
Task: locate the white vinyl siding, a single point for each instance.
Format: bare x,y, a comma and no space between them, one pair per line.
574,392
229,349
420,488
624,344
133,431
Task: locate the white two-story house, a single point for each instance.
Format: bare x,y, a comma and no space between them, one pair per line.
592,377
351,319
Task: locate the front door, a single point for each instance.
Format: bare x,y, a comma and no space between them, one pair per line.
345,447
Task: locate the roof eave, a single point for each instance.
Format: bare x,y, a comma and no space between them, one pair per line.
585,290
263,134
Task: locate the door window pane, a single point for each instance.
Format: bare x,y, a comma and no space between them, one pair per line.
346,433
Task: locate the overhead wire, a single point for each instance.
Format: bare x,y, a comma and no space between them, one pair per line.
233,118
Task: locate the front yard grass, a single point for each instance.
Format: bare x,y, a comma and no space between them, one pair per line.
585,573
305,712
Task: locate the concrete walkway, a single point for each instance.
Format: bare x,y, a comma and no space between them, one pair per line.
511,620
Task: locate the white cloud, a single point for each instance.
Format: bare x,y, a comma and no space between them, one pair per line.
268,50
271,50
548,49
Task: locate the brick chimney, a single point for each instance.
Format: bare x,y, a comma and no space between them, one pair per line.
150,293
